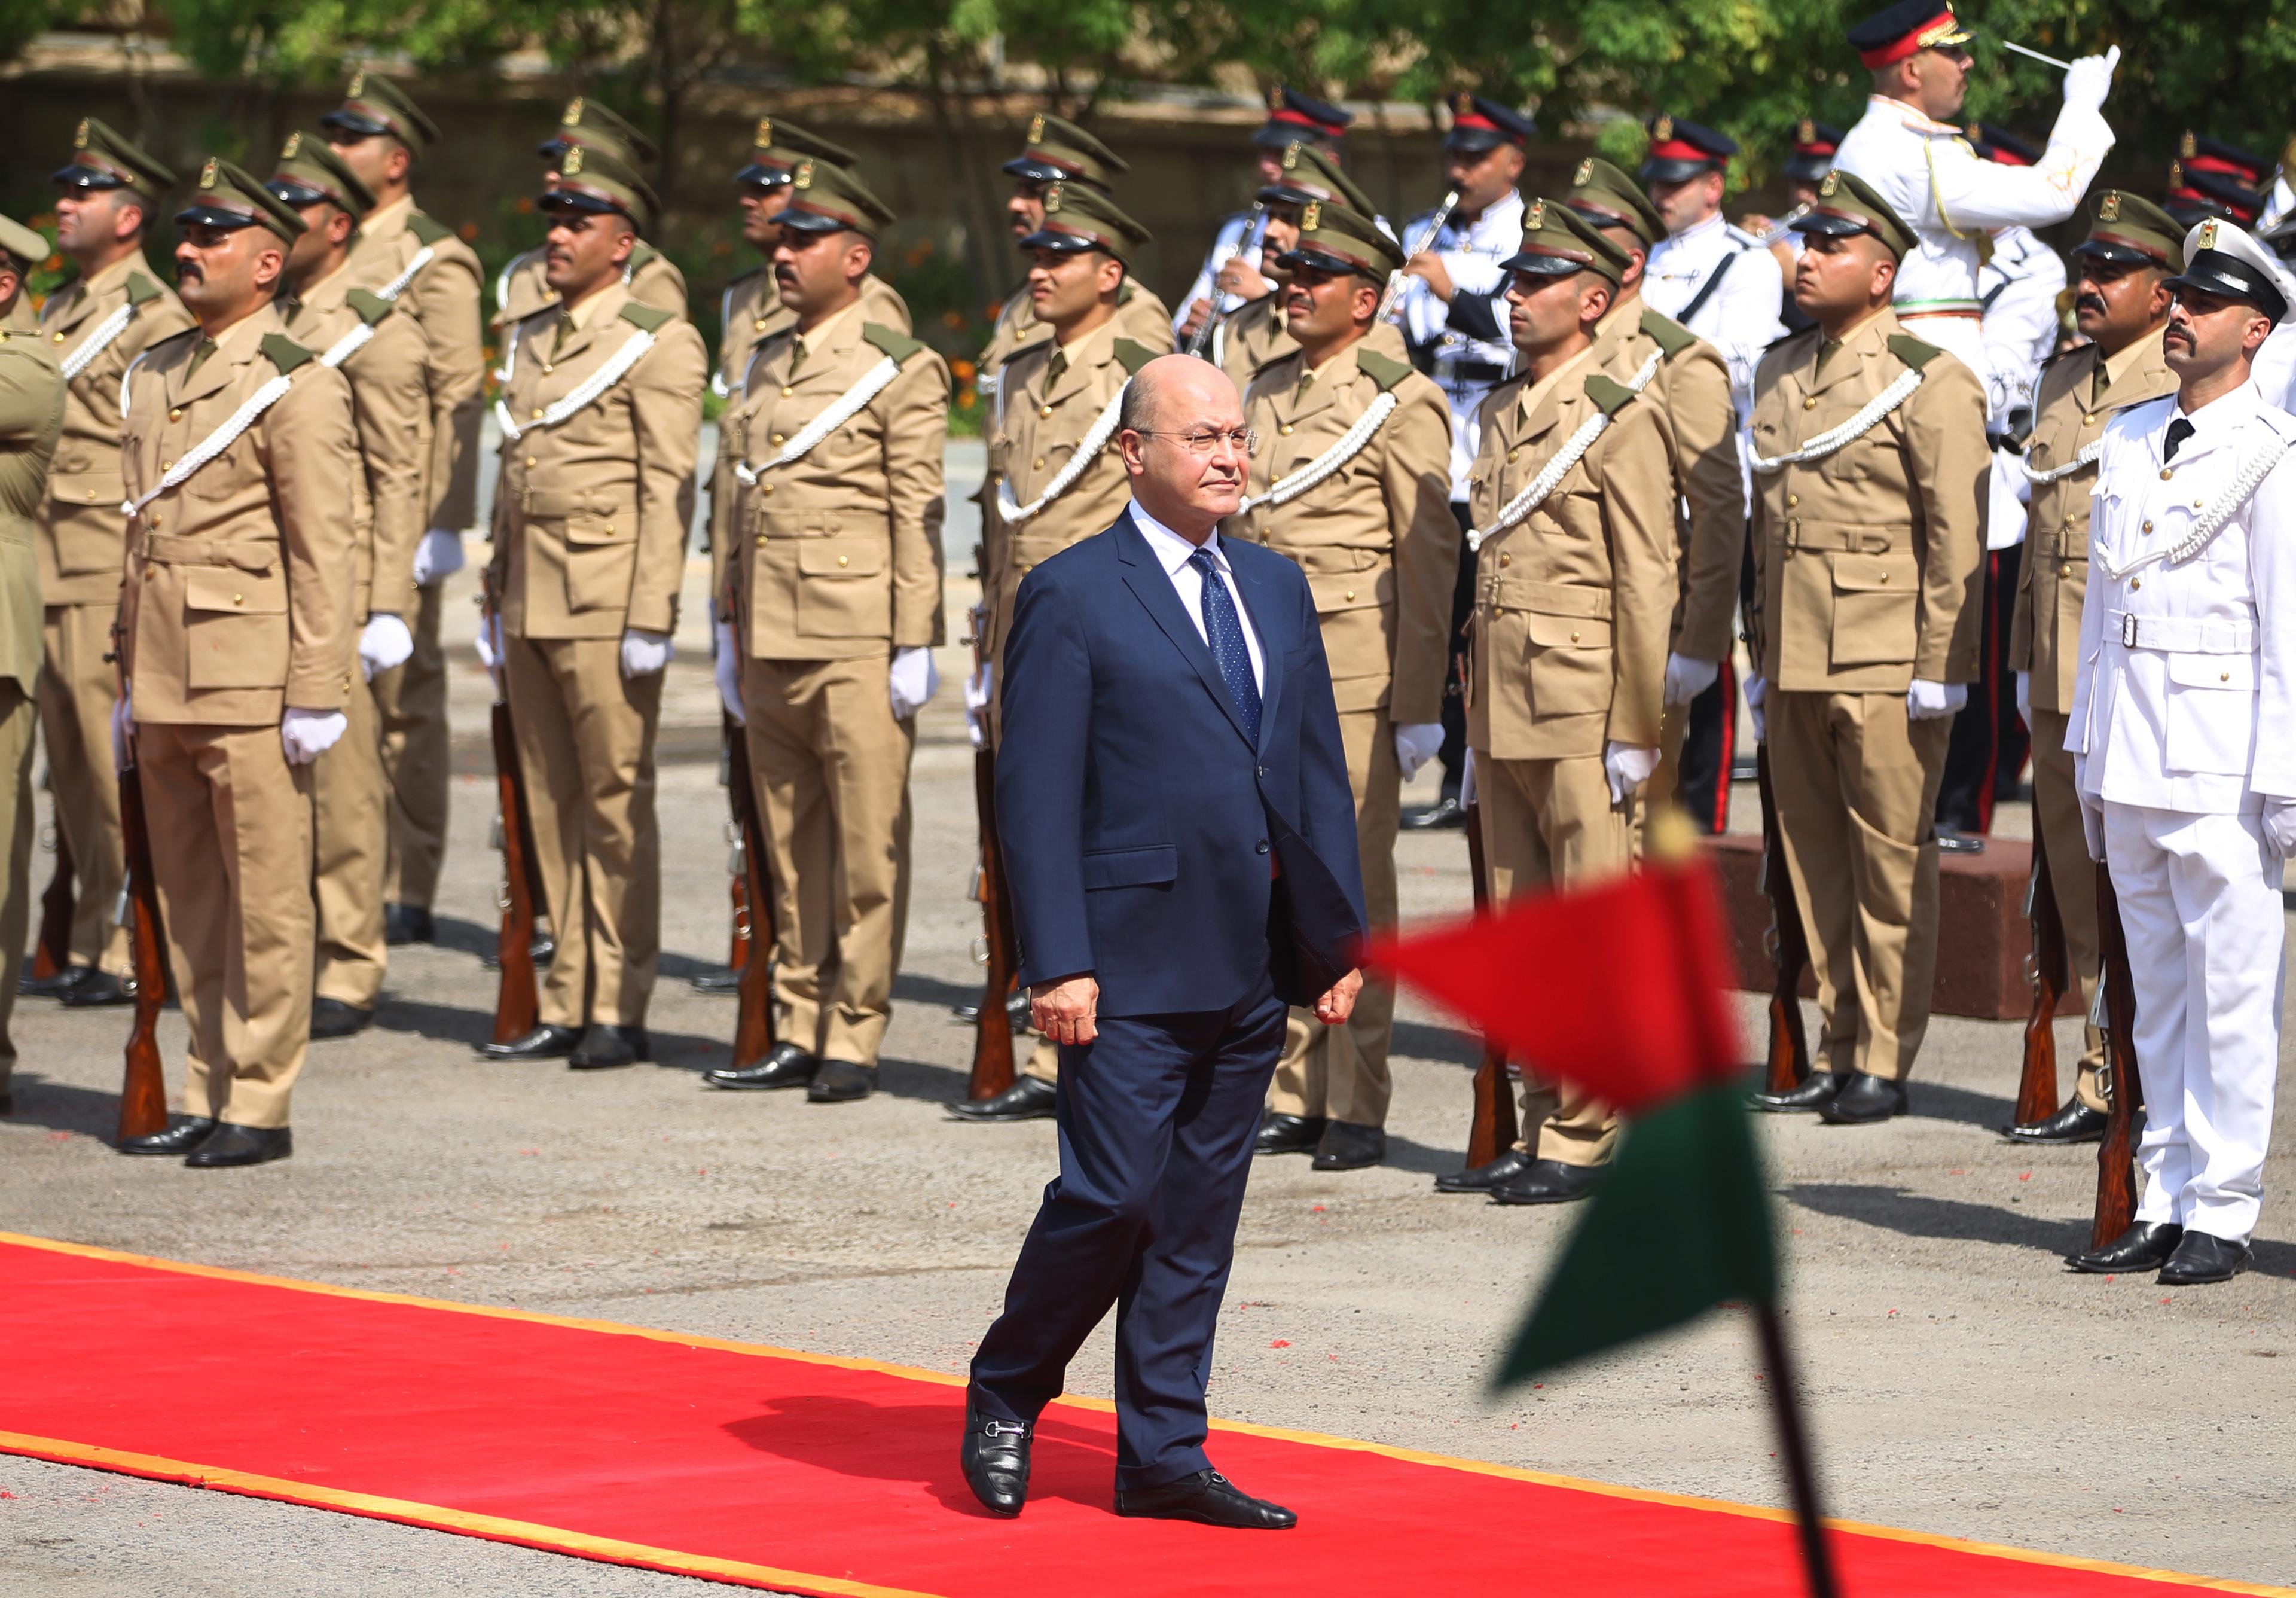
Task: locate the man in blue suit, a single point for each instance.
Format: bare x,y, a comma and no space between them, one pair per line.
1180,840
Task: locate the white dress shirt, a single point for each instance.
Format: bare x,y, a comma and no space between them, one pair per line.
1466,367
1236,230
1740,318
1173,553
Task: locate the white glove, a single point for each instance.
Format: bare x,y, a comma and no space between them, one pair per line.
1416,745
2092,809
1926,701
123,728
1756,689
384,643
729,673
2279,827
2025,696
1628,766
979,688
912,679
645,653
489,646
2089,80
307,733
1686,678
438,556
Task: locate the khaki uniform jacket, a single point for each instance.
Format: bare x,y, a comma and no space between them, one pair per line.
651,278
21,318
1376,538
839,552
31,421
1868,561
390,406
591,514
1692,386
1574,603
442,301
2044,637
80,536
1140,317
1256,335
238,595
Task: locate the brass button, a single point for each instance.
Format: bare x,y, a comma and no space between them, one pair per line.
2148,526
59,337
149,573
610,530
1574,635
91,495
1506,559
538,414
239,598
547,368
165,465
1043,410
1039,463
2089,420
2224,677
765,488
759,325
2196,504
844,561
1351,594
1809,402
1286,430
2167,473
1792,500
1885,577
1511,454
2064,568
778,438
761,540
175,413
787,390
2135,583
529,461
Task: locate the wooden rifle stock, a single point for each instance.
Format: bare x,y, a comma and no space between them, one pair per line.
735,747
51,956
2047,968
992,1035
518,1003
143,1087
753,1021
2116,1156
1493,1131
1788,1061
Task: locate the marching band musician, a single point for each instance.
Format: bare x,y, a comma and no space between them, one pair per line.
1232,271
1715,279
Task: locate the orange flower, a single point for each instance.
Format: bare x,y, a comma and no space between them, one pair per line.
722,247
468,233
961,369
952,319
525,206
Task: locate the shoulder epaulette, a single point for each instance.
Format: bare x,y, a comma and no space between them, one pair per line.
892,341
1910,349
371,307
1384,370
1124,295
140,289
1132,354
1608,395
1666,333
284,352
425,229
643,255
647,317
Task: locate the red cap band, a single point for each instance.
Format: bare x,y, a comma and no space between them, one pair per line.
1910,44
1680,150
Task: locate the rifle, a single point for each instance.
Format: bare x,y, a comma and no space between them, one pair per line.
2115,1010
1788,945
2048,969
143,1087
992,1026
51,957
753,1021
737,872
1493,1131
518,1006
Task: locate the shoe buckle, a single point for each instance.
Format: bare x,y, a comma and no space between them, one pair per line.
1003,1429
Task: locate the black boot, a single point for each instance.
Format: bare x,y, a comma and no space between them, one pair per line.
182,1138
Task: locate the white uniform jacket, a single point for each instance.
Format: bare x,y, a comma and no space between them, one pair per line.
1740,317
1236,230
1462,345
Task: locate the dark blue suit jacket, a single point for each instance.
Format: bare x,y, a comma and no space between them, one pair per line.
1138,822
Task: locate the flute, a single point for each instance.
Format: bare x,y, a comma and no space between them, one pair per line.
1778,234
1395,280
1254,234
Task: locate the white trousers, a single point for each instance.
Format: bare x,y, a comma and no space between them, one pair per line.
2199,905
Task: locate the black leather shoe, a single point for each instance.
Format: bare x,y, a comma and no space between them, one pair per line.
1814,1094
840,1081
2201,1258
995,1456
182,1138
407,924
1347,1147
1289,1134
2074,1124
333,1019
604,1047
784,1066
1863,1100
241,1146
725,981
1446,811
54,987
541,948
1207,1497
546,1042
2144,1246
1029,1099
1481,1178
1548,1181
95,988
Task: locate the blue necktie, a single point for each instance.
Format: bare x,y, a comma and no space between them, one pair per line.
1224,628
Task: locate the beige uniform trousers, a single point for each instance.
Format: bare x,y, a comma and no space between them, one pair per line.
231,848
350,835
410,702
831,767
16,718
1856,785
1341,1072
1550,823
78,688
2056,817
585,740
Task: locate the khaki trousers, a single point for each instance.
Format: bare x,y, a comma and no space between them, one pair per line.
410,702
1341,1072
2056,819
350,835
585,750
78,688
1857,783
231,849
1551,824
831,768
18,716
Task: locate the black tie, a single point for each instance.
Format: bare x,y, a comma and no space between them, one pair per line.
2179,431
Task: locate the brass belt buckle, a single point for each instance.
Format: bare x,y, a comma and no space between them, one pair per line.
2128,630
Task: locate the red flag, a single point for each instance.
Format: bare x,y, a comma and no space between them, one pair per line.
1619,988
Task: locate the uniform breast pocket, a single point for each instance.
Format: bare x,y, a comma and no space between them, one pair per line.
2211,718
235,628
602,558
1874,599
842,591
229,473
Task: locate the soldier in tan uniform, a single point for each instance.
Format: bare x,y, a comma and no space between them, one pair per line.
601,413
31,420
1573,507
523,286
381,351
114,310
1870,472
1054,473
237,649
1367,514
431,278
833,603
2122,303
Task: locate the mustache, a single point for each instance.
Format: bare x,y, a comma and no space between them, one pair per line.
188,271
2179,332
2095,302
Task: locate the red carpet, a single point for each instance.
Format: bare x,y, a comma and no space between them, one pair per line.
768,1468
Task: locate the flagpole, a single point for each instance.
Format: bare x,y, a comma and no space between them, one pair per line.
1794,1443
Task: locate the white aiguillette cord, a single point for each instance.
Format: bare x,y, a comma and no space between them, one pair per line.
216,442
2087,457
1350,445
874,381
1559,467
2205,528
95,344
397,286
1834,438
617,366
1087,450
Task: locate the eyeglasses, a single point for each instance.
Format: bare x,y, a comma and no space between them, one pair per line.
1203,441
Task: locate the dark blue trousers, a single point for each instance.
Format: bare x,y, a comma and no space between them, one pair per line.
1157,1116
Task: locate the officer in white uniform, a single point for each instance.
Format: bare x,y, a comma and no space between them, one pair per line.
2181,733
1293,119
1717,280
